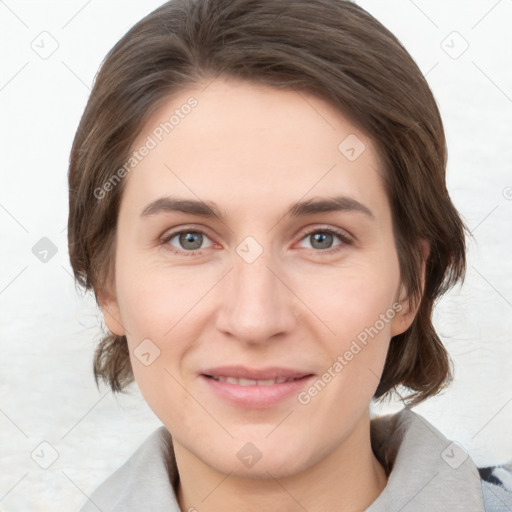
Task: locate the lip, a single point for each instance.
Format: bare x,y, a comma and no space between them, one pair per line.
256,396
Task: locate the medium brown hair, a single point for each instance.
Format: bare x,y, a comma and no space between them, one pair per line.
331,48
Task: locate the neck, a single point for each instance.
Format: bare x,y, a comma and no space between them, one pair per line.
350,478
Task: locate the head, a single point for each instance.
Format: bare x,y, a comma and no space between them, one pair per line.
258,112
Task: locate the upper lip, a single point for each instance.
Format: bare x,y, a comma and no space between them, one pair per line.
243,372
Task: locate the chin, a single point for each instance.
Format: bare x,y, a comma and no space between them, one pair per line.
259,460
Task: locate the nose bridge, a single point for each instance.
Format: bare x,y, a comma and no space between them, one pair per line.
257,305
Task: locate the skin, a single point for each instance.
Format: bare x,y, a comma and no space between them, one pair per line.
254,151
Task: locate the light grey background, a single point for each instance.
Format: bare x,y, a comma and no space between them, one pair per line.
49,330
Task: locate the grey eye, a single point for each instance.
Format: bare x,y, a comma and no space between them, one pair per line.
321,240
188,240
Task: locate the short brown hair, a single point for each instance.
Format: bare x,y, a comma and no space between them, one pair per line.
331,48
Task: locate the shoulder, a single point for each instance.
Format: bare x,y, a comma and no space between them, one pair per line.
497,487
146,478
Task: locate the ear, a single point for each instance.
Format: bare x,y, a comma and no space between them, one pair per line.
107,301
405,314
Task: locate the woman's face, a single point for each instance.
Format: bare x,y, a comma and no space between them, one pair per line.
269,254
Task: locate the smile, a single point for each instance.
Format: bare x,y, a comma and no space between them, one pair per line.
251,382
255,393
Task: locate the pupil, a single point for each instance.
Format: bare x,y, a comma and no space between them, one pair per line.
191,240
321,240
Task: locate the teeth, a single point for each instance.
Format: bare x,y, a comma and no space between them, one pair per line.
252,382
243,382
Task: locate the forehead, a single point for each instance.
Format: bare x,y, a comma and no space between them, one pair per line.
245,143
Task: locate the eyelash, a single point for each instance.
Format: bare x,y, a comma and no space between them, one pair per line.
344,238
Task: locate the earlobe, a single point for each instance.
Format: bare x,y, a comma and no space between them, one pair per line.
405,314
113,320
111,314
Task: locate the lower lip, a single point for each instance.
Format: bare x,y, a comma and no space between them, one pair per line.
256,397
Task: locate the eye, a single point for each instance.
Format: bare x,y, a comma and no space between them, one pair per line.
324,240
187,240
192,241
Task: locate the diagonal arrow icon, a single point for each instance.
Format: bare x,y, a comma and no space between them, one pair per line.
146,352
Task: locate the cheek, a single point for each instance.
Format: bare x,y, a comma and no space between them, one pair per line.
351,299
356,304
156,311
153,299
160,311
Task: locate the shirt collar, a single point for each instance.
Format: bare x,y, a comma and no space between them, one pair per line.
425,472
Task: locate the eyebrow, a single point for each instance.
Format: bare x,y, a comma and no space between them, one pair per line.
299,209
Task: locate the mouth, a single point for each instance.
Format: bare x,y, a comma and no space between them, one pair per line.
255,388
252,382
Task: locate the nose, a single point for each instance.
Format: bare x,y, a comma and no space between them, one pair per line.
256,305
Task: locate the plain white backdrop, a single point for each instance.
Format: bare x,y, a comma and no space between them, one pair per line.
60,436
